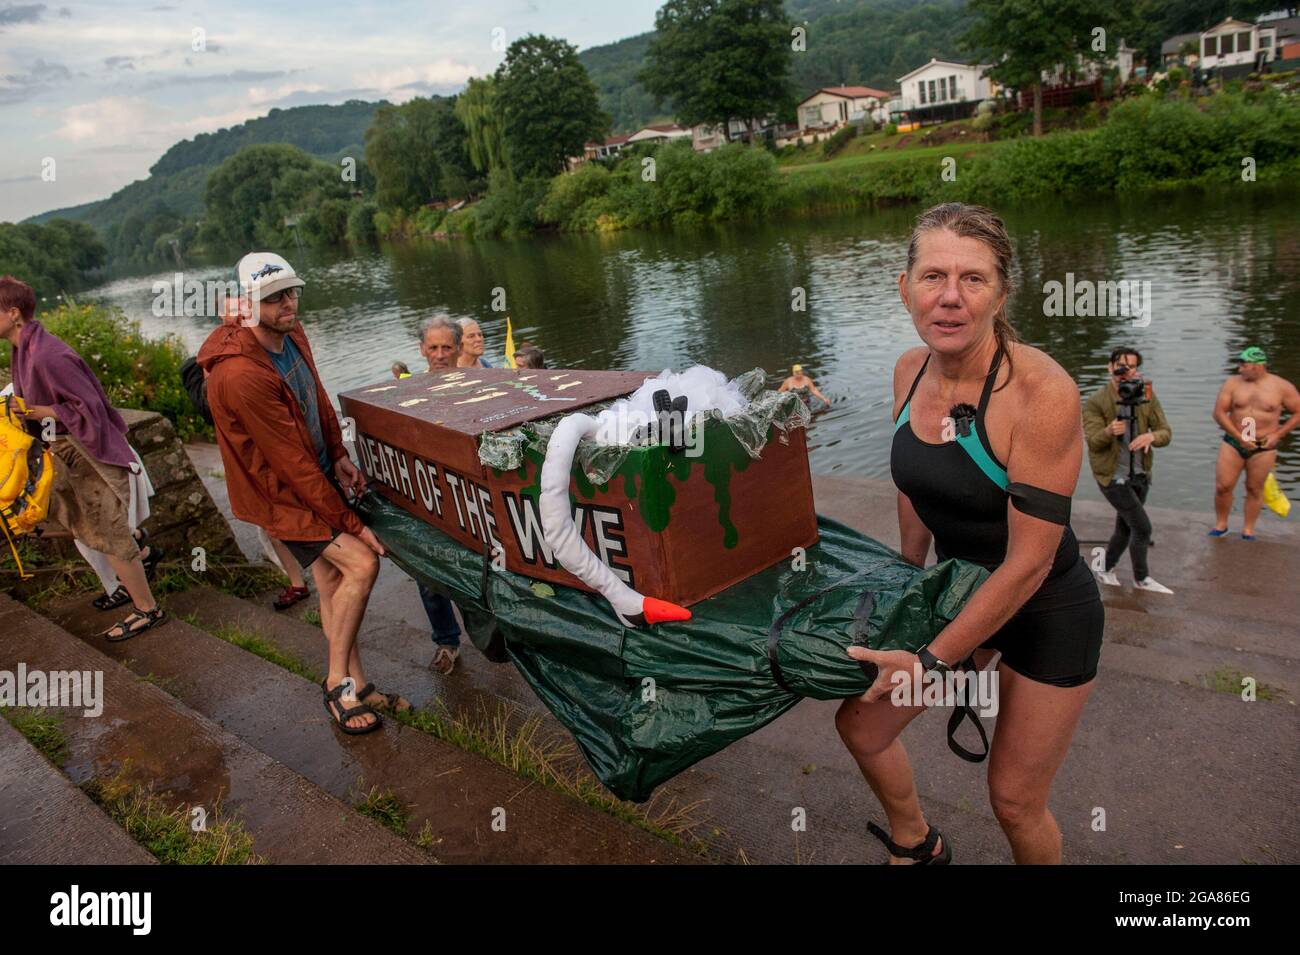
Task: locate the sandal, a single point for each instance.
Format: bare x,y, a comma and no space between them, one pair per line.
290,596
112,601
334,706
152,561
392,702
126,629
923,854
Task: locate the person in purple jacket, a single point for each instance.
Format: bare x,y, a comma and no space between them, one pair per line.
93,463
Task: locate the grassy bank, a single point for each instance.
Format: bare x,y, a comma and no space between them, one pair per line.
1150,142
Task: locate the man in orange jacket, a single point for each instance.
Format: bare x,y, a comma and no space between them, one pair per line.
286,468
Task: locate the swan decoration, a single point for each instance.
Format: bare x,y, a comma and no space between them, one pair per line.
661,408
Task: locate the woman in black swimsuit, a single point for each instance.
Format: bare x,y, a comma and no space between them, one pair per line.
986,454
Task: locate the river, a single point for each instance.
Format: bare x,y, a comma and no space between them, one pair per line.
1223,273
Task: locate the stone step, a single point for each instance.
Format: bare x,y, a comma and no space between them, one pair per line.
458,793
154,739
396,655
45,820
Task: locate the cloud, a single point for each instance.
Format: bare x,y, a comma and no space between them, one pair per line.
16,179
120,62
19,87
441,74
12,13
216,79
107,120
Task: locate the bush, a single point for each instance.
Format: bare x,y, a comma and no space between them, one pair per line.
136,372
327,224
426,220
510,207
575,201
891,129
362,229
838,141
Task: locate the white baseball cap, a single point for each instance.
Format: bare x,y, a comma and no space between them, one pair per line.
261,273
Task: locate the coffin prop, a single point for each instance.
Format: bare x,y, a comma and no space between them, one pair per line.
467,451
776,594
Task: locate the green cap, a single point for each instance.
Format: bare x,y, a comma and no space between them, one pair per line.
1255,355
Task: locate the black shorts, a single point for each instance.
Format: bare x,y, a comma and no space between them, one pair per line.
306,552
1056,636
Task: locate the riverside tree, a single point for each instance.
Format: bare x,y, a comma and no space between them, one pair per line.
251,197
51,258
485,138
719,60
548,106
417,153
1026,38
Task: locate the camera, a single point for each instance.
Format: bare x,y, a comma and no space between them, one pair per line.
1134,391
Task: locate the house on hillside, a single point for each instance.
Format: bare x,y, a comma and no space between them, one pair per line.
1172,50
1062,84
1234,46
835,106
706,138
609,149
941,90
658,135
613,146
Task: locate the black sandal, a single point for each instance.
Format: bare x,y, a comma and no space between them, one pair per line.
126,629
923,854
112,601
152,561
334,706
393,702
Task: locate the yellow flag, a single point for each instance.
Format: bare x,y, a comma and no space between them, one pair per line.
1274,498
510,345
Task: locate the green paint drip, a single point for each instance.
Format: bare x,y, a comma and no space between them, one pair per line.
653,466
723,453
533,490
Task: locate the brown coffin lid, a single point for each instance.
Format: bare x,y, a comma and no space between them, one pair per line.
475,400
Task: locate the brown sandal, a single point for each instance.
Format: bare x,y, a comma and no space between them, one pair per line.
391,702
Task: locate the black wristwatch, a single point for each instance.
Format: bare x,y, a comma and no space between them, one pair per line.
930,662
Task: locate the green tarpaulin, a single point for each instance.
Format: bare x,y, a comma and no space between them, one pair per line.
644,704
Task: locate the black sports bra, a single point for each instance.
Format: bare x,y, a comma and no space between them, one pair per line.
959,489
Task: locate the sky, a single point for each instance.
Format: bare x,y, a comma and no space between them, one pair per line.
91,94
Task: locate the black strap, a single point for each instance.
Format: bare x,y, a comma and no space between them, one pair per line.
1037,502
774,634
965,711
919,853
989,380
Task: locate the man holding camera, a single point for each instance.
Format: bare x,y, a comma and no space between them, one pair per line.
1122,422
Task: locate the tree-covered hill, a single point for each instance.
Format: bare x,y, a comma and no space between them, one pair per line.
176,181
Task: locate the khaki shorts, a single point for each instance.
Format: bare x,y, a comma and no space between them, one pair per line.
91,499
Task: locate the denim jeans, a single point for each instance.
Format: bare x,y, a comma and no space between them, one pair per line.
446,632
1132,525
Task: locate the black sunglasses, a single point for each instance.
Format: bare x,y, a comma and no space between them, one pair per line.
275,297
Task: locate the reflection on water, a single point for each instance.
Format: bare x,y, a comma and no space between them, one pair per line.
1224,274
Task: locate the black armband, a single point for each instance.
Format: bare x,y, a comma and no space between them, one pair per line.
1045,505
